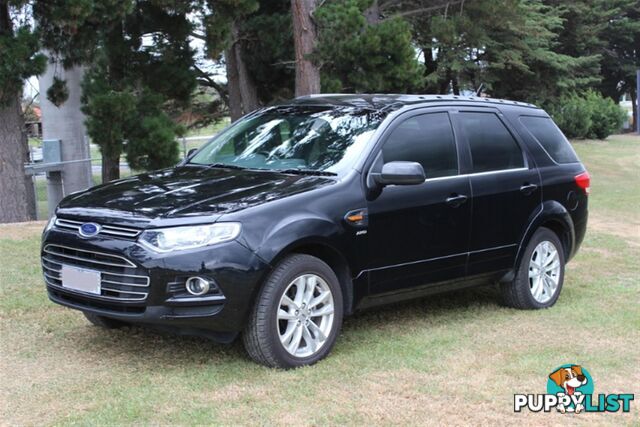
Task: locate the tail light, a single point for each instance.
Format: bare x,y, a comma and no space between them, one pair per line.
584,181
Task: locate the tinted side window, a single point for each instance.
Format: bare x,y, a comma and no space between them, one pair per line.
492,146
426,139
551,138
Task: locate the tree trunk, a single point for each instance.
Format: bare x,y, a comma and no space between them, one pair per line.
17,198
110,166
454,86
444,83
304,40
233,83
66,123
246,85
430,66
372,13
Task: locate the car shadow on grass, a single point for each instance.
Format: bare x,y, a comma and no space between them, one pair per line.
145,345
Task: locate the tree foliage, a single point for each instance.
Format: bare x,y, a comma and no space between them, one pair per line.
505,48
19,51
358,56
270,59
139,65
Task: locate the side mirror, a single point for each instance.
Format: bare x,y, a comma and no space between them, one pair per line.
401,173
191,152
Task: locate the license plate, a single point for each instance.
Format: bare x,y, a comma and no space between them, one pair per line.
81,279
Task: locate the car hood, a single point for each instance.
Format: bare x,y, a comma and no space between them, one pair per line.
186,191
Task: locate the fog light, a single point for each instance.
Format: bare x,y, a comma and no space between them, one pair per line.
197,286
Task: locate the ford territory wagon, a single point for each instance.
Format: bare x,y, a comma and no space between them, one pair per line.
302,213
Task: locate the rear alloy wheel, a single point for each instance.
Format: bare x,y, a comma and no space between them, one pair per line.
544,272
540,273
297,316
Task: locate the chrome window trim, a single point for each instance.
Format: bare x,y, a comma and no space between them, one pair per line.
464,175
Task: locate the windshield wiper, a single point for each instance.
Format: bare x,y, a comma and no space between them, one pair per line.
225,166
306,172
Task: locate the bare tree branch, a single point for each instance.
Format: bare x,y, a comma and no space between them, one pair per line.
424,10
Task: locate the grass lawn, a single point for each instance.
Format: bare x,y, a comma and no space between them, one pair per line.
451,359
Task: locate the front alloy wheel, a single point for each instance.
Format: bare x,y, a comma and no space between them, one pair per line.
297,315
305,315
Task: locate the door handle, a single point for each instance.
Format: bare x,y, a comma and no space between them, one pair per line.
527,189
456,200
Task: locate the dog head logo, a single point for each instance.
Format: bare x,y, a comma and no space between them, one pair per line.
570,383
569,378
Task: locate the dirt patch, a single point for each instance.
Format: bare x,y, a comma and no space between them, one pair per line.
628,230
21,230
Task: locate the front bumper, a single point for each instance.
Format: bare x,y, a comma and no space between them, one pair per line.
140,286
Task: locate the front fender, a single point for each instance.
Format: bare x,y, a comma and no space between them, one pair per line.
298,231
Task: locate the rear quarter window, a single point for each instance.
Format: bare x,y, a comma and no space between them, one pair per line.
550,138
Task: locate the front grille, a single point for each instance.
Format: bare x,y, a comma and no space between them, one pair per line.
120,278
106,230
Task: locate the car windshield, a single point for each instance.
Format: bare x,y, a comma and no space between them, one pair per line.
307,139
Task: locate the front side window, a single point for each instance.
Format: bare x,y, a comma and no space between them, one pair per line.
324,139
493,148
426,139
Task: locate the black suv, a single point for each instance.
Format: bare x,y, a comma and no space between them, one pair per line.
301,213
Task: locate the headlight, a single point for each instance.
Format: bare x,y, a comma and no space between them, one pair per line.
180,238
50,224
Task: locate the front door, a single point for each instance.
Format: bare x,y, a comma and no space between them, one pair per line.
419,234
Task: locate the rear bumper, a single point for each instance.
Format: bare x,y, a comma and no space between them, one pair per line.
220,315
580,229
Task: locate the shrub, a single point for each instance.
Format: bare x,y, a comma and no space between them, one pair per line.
587,116
606,116
572,115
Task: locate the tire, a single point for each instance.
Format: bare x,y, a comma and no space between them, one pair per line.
519,293
264,332
104,322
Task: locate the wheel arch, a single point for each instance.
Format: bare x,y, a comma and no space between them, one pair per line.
315,236
554,216
326,252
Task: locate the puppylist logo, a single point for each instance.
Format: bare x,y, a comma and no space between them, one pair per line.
570,390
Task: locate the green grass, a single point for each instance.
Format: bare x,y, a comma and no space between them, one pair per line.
209,130
456,358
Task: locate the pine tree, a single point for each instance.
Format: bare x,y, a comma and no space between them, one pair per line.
360,55
505,48
140,64
621,56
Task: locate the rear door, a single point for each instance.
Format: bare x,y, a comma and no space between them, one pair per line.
505,189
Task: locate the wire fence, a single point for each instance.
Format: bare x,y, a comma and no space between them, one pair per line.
40,179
